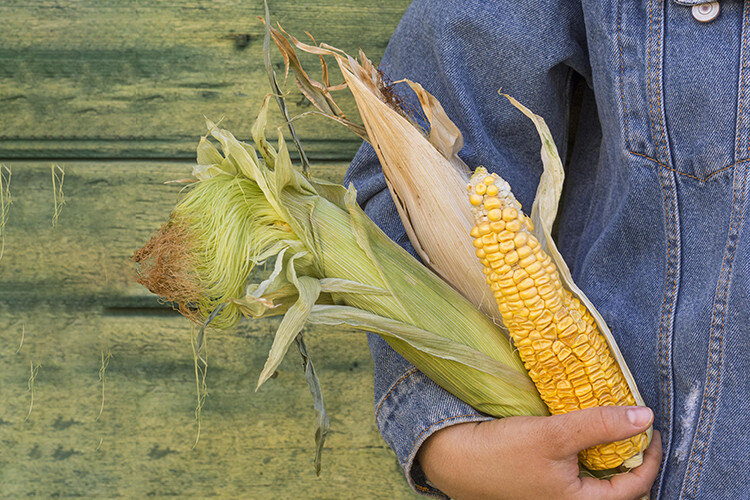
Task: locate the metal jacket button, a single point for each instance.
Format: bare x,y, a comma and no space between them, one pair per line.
706,12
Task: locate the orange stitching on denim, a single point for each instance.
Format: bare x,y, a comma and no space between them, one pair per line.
667,304
622,73
648,75
436,423
732,228
659,81
747,15
421,488
651,92
701,179
393,387
742,86
654,94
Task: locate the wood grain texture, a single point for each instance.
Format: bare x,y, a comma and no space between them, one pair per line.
252,445
67,294
115,93
131,79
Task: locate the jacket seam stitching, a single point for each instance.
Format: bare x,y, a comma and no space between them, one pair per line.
393,388
660,89
701,179
622,74
716,346
654,94
672,254
741,94
650,84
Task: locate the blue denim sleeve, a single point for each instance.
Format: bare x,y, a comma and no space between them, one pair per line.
462,52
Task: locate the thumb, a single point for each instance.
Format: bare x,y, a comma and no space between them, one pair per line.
585,428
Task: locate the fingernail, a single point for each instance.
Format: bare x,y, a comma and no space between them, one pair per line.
639,416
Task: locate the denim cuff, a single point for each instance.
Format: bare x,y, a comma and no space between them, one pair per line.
411,411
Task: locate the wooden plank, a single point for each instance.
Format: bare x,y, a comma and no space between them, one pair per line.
111,209
252,445
132,79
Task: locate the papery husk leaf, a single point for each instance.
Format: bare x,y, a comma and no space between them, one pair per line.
292,323
338,285
436,222
549,190
543,213
444,134
420,339
210,161
258,133
425,176
322,425
274,279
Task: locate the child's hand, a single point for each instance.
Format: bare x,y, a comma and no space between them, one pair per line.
536,457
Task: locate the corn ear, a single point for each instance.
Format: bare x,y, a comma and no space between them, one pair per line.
565,305
331,265
412,161
561,346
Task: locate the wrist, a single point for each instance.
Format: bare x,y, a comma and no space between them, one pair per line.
446,452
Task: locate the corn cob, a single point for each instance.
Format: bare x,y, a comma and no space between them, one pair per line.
564,352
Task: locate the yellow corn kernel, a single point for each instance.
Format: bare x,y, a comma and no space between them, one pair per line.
514,225
491,203
494,214
557,339
523,252
520,239
497,226
509,214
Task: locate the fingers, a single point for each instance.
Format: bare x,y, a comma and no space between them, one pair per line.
631,485
581,429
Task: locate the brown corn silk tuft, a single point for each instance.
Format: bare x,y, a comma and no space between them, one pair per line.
393,99
165,267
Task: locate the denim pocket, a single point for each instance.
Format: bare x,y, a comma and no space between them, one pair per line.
684,90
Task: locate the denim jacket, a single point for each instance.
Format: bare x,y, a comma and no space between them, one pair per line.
650,108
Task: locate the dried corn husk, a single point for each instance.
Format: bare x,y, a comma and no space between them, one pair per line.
426,178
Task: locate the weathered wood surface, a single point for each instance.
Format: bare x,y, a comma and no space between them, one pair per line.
92,79
67,294
252,445
115,93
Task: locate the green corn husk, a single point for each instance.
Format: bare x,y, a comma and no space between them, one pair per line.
332,266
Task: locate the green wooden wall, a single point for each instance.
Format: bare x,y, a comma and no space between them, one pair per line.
115,94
